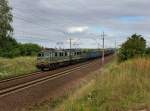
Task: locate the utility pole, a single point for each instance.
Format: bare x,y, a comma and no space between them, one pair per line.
103,55
70,40
98,44
115,47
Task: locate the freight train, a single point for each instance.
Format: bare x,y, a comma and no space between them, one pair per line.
53,58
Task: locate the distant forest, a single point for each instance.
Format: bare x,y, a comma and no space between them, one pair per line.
9,47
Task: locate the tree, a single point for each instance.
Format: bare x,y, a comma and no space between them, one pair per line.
6,29
7,43
9,47
134,46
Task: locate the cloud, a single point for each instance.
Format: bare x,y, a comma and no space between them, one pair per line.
77,29
47,19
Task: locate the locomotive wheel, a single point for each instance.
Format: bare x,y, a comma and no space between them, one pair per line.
49,67
53,66
56,65
42,69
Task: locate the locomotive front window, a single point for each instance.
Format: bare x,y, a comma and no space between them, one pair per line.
40,54
46,54
65,53
55,53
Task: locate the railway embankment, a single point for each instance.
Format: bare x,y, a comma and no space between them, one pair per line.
119,87
24,92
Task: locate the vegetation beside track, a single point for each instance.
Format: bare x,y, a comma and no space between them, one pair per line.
17,66
120,87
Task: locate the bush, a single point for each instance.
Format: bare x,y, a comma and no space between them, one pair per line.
12,51
134,46
29,49
148,51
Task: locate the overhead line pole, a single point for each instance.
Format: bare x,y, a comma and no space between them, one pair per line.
103,54
70,40
115,47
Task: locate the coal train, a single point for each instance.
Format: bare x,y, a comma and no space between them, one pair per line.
53,58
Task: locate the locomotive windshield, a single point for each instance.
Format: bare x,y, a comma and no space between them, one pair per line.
40,55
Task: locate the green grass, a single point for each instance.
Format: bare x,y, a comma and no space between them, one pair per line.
53,103
120,87
17,66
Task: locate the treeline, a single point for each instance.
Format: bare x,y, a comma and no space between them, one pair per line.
10,48
135,46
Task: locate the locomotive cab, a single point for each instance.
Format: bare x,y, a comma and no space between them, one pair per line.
43,60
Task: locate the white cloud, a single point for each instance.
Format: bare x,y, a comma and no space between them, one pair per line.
77,29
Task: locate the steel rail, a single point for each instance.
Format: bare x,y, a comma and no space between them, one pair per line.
29,84
36,73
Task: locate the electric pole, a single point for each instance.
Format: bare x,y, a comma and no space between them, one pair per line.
103,54
70,40
115,47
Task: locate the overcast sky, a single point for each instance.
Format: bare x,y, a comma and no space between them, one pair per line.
48,22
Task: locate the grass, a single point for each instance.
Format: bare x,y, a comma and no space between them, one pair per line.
120,87
17,66
53,103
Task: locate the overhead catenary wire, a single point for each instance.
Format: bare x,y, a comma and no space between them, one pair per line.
27,33
44,28
22,18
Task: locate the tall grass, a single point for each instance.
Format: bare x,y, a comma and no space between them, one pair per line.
17,66
123,87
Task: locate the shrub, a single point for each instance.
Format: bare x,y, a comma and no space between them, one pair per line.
20,50
29,49
134,46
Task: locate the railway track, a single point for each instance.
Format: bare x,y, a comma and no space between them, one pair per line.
21,93
39,72
8,88
30,77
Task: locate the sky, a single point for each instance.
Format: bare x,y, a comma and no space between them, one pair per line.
51,23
